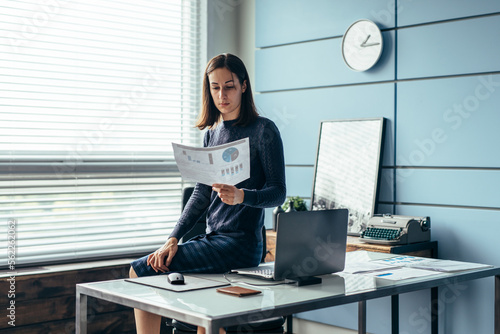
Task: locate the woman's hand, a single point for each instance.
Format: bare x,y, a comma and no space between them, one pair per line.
229,194
157,259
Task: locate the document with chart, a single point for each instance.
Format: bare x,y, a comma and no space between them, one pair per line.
228,163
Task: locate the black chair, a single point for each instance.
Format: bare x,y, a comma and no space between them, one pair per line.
264,326
271,325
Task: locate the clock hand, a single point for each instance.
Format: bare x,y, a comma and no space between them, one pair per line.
366,40
371,44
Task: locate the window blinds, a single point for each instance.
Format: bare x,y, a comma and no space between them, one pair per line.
93,93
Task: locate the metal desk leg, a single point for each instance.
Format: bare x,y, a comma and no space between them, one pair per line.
497,304
434,311
362,317
81,314
212,328
289,324
395,314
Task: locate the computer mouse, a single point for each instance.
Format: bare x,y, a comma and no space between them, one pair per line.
175,278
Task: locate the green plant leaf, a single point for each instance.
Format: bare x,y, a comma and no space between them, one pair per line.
298,203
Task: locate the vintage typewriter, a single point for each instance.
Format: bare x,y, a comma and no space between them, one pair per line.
390,229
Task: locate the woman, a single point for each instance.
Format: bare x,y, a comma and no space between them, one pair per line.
235,214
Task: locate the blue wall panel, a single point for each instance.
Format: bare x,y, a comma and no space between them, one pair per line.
386,183
415,12
378,315
300,112
465,235
479,188
449,122
299,181
291,21
468,46
346,316
317,64
443,112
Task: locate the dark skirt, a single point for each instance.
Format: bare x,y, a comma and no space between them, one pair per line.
212,253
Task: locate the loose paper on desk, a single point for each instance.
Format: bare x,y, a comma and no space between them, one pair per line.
358,262
228,163
432,264
402,273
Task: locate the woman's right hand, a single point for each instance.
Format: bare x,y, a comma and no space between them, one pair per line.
161,259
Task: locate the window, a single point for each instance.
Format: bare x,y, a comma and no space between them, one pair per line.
93,95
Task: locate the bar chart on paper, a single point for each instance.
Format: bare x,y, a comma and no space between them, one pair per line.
227,164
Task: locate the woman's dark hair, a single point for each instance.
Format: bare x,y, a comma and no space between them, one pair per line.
209,114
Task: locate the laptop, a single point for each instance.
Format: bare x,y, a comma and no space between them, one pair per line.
308,244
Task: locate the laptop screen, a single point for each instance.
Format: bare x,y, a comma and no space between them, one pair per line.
310,243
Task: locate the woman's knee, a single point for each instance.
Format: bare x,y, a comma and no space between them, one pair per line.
132,273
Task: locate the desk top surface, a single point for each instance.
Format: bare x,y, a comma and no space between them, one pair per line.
336,289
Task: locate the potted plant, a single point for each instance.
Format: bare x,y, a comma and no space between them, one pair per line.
298,205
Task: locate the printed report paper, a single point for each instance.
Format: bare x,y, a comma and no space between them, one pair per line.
227,164
431,264
401,273
359,262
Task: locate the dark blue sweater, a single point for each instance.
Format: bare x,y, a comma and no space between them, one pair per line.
265,188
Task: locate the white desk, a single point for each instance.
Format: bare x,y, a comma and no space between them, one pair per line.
212,310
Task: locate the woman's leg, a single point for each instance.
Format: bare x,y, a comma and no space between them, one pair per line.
201,330
145,322
201,254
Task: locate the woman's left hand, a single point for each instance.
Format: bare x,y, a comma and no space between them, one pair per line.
229,194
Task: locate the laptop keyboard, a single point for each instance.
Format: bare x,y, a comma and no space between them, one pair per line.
268,273
265,273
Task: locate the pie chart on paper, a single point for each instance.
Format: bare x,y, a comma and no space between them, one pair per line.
230,154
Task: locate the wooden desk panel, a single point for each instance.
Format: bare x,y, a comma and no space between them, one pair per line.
424,249
270,245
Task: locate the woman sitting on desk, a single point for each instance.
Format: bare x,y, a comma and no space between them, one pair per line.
235,214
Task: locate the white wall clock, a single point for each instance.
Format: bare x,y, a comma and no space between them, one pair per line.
362,45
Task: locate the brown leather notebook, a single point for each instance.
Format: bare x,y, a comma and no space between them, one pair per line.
238,291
